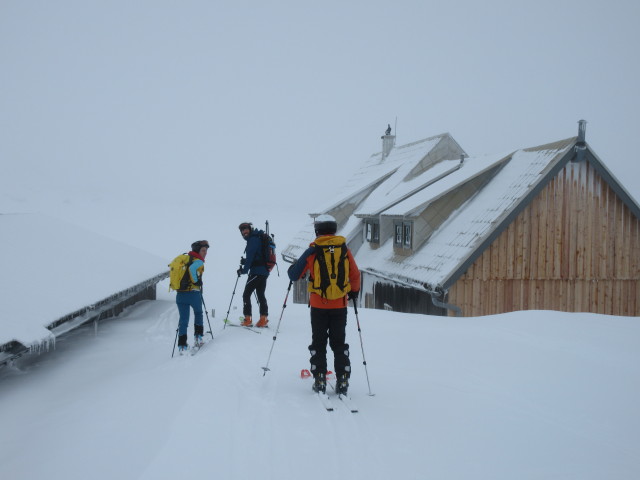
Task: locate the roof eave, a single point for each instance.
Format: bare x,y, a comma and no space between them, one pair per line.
612,181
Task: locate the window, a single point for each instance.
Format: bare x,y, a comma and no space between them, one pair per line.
372,231
403,234
407,236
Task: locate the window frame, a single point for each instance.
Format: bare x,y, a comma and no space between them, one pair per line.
403,234
397,235
372,231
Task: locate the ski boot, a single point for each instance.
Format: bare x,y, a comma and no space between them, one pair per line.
342,384
320,383
262,322
198,336
182,344
247,321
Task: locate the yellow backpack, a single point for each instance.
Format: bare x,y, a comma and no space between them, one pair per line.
179,278
330,278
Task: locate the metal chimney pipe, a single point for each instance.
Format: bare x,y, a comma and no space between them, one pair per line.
582,130
581,144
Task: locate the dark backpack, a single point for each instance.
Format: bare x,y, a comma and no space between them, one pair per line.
268,251
267,255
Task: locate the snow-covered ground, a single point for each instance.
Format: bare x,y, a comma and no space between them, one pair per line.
529,395
160,125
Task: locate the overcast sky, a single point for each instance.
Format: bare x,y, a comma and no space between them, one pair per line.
209,97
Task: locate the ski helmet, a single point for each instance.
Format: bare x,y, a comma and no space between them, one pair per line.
196,246
244,225
325,225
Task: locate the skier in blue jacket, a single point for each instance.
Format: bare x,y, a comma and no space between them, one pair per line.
255,265
191,296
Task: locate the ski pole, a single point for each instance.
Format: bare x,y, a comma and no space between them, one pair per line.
206,312
226,318
364,361
284,305
174,344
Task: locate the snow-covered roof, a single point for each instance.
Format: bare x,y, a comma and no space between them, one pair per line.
52,268
299,242
513,179
450,180
386,173
395,188
460,236
382,181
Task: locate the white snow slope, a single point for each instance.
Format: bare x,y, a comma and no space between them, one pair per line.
529,395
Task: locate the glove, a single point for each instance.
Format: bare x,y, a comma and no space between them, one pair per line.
242,260
352,295
239,272
199,282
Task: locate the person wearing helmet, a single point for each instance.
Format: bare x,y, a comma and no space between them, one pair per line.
191,296
255,266
334,279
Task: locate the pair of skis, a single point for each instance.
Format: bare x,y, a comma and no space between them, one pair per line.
194,350
344,400
325,399
231,324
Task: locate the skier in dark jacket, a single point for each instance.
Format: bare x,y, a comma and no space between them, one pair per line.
255,265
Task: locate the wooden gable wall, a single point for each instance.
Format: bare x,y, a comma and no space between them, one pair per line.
574,248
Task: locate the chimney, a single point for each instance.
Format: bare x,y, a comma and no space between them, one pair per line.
582,129
388,142
581,144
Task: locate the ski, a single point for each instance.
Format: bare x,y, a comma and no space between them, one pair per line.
323,397
348,403
251,329
241,319
197,347
325,400
345,399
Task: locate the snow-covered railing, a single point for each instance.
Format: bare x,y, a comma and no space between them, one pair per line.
106,308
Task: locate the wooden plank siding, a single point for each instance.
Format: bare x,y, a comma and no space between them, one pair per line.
400,298
574,248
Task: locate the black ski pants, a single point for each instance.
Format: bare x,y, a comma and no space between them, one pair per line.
258,284
329,324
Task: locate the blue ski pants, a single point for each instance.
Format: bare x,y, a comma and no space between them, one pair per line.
186,301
